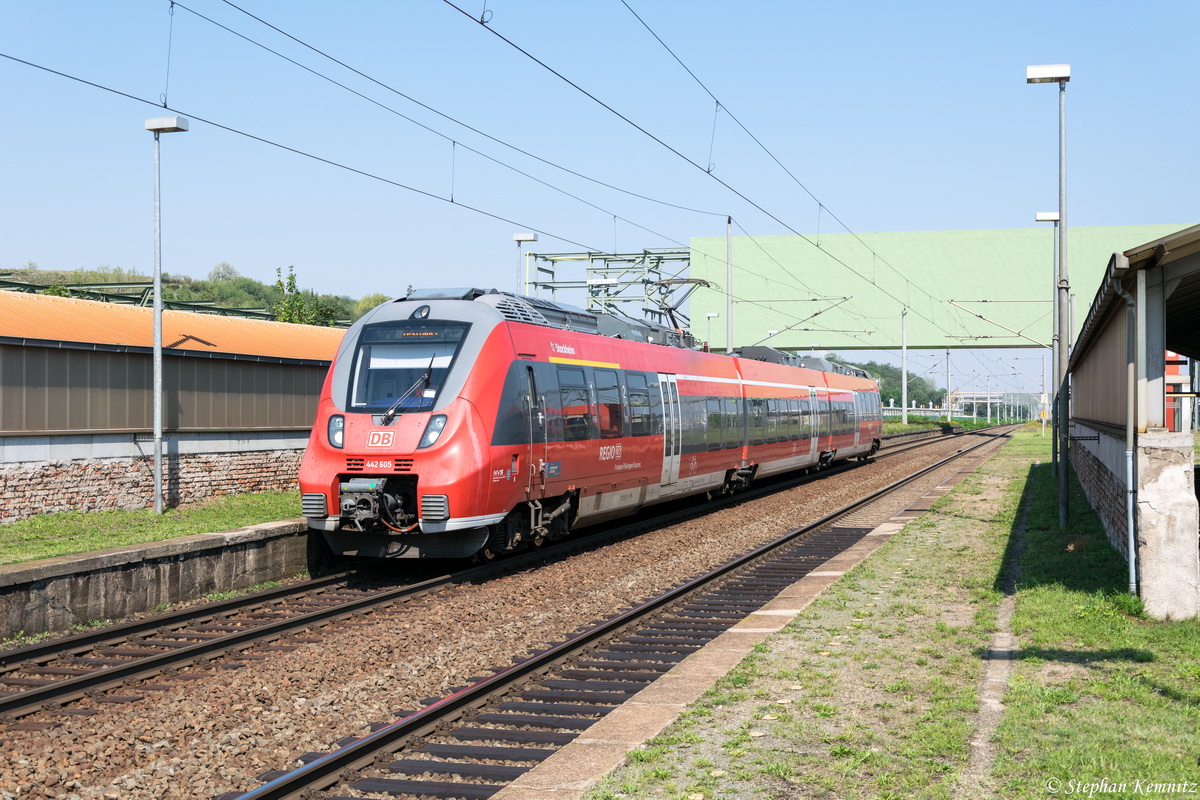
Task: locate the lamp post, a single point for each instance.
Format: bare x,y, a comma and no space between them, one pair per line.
1060,74
1052,216
521,238
711,315
159,125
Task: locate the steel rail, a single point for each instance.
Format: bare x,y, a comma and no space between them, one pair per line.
114,634
344,763
59,692
47,697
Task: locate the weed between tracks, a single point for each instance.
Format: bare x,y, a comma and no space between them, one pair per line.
873,690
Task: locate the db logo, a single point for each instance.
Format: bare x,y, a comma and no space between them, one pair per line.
380,438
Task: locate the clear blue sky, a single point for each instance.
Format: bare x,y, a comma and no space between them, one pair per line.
897,116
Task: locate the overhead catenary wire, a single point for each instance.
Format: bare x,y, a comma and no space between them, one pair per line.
297,151
453,142
821,207
446,116
311,156
688,160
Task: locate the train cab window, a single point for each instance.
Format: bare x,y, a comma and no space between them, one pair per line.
403,364
573,393
608,401
641,423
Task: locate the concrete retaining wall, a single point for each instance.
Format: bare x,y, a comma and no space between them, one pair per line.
55,593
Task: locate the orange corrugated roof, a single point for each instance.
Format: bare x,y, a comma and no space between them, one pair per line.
66,319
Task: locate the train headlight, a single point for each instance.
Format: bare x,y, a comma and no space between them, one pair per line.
337,428
437,424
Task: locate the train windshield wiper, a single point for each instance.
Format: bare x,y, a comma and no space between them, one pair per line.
422,381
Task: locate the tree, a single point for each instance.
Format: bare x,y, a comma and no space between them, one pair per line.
304,308
223,272
368,302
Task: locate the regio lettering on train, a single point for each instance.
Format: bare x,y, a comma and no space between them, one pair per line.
610,452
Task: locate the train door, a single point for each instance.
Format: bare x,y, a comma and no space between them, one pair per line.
535,481
672,431
824,414
857,405
811,422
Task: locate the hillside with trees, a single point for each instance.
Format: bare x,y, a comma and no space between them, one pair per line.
224,287
921,392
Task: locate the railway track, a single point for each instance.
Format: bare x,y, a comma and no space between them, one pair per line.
115,665
471,744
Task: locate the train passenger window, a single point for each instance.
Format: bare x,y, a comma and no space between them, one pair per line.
512,416
793,417
758,419
733,423
805,421
694,424
608,400
573,393
772,433
639,404
715,423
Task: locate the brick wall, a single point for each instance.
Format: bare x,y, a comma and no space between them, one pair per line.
1106,494
98,484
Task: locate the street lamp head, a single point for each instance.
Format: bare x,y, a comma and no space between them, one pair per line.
1046,216
712,315
524,237
1048,73
167,124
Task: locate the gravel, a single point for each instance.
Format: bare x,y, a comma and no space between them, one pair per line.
200,738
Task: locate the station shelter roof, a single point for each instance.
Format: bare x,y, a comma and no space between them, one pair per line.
1177,259
64,321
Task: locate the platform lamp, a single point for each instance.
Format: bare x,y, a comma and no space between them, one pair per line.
1060,74
711,315
158,125
520,239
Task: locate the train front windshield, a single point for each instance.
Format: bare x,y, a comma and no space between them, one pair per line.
403,364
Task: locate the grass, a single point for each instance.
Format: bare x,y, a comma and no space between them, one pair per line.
873,690
1100,693
68,533
916,424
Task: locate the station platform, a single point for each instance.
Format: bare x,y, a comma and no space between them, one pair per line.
54,594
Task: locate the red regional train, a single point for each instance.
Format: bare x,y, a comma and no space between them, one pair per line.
462,422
